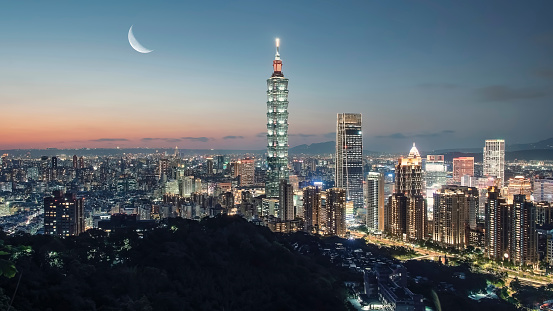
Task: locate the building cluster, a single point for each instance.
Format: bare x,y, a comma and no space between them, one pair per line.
503,208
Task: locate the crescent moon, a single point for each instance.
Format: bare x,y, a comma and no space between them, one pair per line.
136,45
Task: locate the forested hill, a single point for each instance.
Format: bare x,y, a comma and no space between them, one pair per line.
218,264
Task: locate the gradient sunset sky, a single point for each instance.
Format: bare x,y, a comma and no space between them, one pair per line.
440,73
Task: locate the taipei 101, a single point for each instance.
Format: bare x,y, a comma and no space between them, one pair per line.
289,155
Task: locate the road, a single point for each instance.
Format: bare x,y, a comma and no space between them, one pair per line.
527,278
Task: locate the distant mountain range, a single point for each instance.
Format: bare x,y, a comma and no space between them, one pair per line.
546,144
327,147
541,150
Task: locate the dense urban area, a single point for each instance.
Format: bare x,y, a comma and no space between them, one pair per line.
430,232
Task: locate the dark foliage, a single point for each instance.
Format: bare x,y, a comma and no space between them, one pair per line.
223,263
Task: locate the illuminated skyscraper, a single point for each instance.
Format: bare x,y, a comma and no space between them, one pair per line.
311,209
454,209
498,226
405,214
494,159
374,197
518,185
543,190
209,166
63,214
277,128
336,212
349,157
462,166
524,238
435,171
286,201
247,171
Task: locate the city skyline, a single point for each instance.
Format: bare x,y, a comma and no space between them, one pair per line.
71,79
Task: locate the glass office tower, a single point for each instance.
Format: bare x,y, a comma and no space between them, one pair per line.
277,128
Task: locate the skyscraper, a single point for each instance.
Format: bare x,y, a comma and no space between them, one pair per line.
498,226
518,185
286,200
524,238
454,208
494,159
209,166
435,171
349,157
543,189
462,166
63,214
277,128
374,198
336,212
311,208
405,214
247,171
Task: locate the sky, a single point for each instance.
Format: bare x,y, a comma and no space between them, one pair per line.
443,74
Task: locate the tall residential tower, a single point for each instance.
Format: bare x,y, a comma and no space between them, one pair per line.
349,157
494,159
405,214
277,128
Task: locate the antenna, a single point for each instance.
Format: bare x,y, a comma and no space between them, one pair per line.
277,55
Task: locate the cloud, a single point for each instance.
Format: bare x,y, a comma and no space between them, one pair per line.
108,139
202,139
233,137
262,134
423,135
505,93
545,73
437,86
302,135
169,140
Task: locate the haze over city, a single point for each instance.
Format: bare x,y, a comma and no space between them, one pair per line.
445,75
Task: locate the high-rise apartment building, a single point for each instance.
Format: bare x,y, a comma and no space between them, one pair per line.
549,248
543,190
405,214
498,225
462,166
277,128
374,201
286,200
518,185
163,168
435,171
187,186
544,213
209,166
494,159
63,214
324,211
311,208
455,208
524,238
247,172
335,212
409,174
349,157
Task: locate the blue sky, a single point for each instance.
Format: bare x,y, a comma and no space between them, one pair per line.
441,73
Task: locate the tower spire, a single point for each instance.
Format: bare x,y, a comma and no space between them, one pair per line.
277,63
277,55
